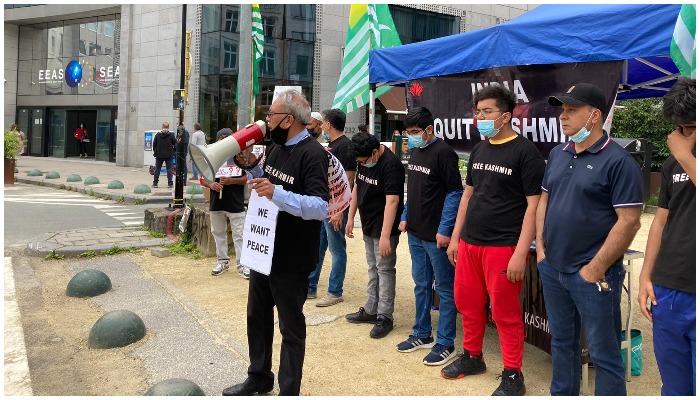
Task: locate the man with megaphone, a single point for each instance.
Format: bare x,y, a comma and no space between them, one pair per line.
294,178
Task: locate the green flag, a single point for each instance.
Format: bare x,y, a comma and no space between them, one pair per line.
370,26
258,44
683,41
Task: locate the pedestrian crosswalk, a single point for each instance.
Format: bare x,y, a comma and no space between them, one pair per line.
123,213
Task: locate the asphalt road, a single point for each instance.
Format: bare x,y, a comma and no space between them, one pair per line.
31,210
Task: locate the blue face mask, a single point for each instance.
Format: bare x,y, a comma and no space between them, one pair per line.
581,135
370,164
487,127
326,137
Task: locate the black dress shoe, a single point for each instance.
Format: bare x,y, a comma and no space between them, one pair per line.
247,388
383,326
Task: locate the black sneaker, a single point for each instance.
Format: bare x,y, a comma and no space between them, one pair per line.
413,343
359,317
382,328
512,384
464,365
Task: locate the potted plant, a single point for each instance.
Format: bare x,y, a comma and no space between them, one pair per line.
12,145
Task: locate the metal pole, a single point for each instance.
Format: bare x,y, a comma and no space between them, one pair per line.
245,66
372,88
178,199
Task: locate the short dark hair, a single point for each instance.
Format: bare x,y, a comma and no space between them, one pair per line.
362,145
335,117
505,99
418,116
679,102
363,128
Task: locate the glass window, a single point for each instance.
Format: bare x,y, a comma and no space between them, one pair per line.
267,64
268,27
230,55
82,48
301,22
210,17
416,25
231,23
109,28
209,54
300,61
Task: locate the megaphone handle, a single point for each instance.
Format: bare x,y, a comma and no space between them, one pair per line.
221,193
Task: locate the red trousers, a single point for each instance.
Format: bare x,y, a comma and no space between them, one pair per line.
481,271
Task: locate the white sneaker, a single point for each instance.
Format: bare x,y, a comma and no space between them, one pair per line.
244,272
221,266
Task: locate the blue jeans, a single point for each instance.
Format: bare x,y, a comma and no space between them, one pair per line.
195,171
427,261
571,303
335,241
674,340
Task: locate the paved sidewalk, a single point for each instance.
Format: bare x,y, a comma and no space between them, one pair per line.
75,242
106,172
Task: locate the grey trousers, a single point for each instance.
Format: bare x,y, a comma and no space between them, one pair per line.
381,288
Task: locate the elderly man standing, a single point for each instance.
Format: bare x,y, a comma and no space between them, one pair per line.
586,217
295,179
314,125
668,275
199,139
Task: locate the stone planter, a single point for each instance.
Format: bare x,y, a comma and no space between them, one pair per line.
10,171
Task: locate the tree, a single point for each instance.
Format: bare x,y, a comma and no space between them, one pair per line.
642,119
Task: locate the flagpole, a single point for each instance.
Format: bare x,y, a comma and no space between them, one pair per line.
252,77
372,88
245,66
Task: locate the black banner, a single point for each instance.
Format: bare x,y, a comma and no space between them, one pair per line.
449,99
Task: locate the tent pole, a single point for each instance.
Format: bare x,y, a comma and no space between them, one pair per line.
372,88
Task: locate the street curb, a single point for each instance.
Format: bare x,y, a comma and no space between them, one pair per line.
41,248
99,192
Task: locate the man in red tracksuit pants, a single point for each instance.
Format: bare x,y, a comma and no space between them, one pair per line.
492,236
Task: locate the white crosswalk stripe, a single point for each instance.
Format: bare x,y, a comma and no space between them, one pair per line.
119,212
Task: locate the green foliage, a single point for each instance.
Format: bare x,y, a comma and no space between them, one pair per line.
12,144
156,234
140,201
91,192
62,186
642,118
88,254
116,250
54,256
653,200
40,183
182,247
120,199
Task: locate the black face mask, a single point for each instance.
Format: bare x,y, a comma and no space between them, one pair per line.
279,135
315,133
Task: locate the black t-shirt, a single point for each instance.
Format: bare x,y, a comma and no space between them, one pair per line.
301,169
433,171
231,199
373,185
502,176
675,263
339,148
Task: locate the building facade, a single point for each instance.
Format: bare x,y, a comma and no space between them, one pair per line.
114,67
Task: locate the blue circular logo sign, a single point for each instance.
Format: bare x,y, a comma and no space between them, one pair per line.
74,73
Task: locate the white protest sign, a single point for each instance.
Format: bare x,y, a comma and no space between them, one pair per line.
338,187
280,89
259,234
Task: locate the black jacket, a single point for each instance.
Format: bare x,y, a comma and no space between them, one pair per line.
164,144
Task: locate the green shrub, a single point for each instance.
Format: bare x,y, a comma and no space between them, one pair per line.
12,144
641,119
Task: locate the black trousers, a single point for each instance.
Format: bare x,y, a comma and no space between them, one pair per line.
287,291
168,166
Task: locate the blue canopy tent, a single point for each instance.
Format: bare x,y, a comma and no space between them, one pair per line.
639,34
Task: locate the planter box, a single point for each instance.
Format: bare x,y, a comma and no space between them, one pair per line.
9,171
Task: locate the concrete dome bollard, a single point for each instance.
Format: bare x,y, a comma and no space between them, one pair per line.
175,387
74,178
88,283
53,175
195,189
35,172
115,185
142,189
91,180
116,329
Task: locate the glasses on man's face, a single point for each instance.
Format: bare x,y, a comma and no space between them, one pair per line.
413,132
363,162
270,114
485,112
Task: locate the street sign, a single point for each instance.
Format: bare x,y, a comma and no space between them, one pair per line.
178,99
